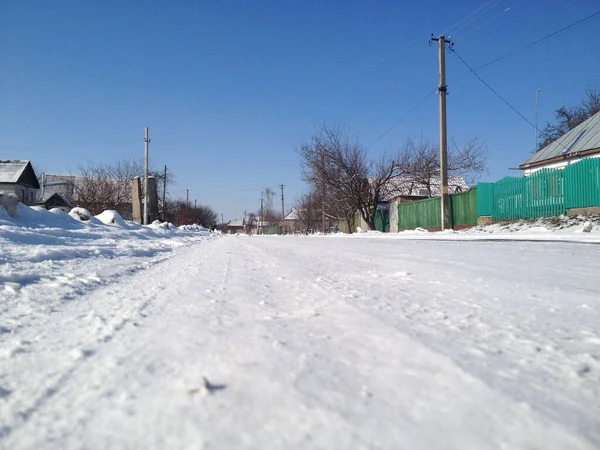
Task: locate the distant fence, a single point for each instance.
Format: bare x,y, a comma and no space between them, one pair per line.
427,213
273,229
546,192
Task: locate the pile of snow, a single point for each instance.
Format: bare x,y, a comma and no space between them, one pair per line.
42,250
562,228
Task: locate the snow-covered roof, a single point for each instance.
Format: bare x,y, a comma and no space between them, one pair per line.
236,223
17,171
292,215
583,138
407,186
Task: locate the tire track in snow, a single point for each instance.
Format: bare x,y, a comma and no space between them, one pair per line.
459,328
304,367
102,321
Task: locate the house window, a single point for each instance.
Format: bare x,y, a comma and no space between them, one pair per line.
30,198
23,196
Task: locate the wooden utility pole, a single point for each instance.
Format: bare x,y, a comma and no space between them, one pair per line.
165,194
282,211
445,222
146,142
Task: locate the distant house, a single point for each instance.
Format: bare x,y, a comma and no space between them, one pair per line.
18,177
292,222
581,142
235,226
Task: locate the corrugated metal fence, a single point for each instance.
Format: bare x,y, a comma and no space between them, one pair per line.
547,192
419,214
427,213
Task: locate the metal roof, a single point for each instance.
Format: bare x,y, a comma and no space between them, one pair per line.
585,136
11,170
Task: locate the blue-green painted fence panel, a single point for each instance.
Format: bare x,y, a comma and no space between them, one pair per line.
582,183
544,193
485,199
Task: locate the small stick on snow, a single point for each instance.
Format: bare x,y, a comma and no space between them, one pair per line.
205,388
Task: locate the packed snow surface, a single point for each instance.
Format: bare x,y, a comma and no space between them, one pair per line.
114,335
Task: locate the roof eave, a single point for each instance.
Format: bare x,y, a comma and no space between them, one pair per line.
544,162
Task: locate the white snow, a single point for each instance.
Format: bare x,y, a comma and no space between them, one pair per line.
123,336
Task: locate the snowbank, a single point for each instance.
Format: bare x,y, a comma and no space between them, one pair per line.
42,250
563,228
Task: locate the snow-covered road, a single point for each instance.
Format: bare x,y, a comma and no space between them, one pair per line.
317,342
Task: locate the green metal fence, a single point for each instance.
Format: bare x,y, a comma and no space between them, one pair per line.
273,229
582,184
544,193
463,208
427,213
423,214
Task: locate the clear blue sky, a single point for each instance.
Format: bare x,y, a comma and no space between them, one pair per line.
229,88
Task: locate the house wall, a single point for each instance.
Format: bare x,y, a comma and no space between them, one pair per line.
26,195
559,164
362,223
291,225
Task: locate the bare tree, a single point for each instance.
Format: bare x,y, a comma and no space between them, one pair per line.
568,117
341,170
103,186
270,216
203,215
106,186
468,161
308,209
181,212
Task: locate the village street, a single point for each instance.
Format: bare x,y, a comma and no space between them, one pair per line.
316,342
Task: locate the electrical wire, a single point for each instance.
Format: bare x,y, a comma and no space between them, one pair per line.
492,89
499,96
531,44
472,16
413,109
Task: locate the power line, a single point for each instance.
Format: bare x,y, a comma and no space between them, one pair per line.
461,24
403,118
492,89
498,95
537,41
472,16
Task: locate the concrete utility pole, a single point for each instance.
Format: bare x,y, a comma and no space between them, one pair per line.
146,142
261,215
282,211
323,195
443,135
165,195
